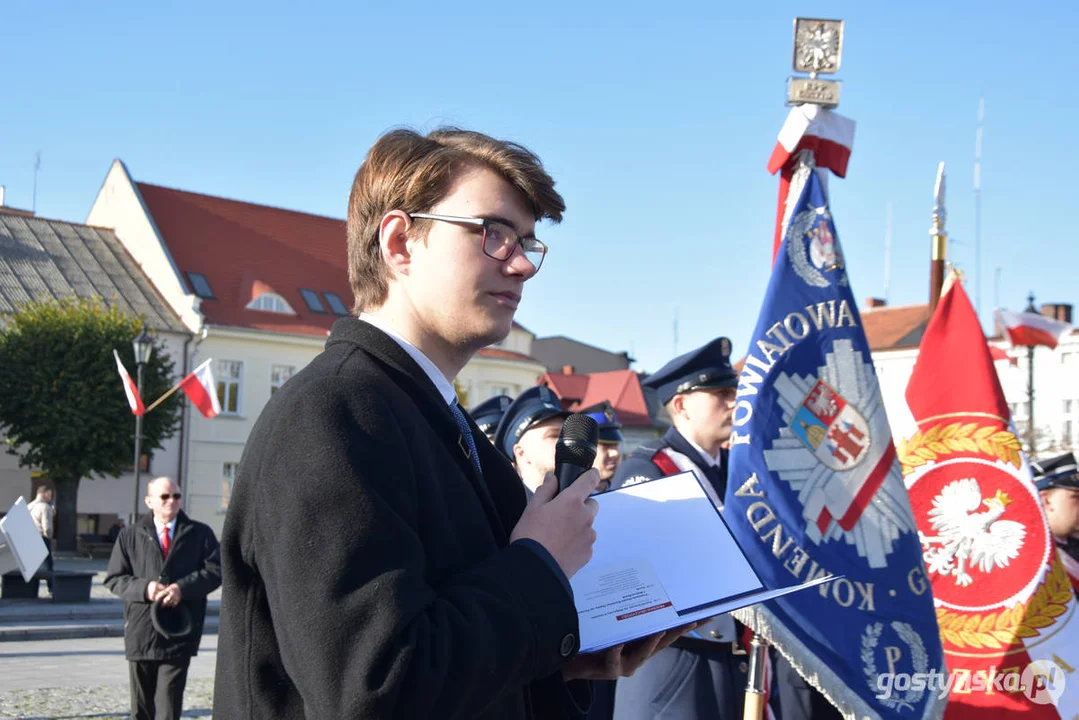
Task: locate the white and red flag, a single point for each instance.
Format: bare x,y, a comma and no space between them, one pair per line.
1003,600
202,390
1026,329
130,388
828,135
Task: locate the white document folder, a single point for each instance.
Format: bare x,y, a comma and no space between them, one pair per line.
663,557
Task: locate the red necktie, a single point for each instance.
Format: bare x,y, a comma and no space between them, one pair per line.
165,542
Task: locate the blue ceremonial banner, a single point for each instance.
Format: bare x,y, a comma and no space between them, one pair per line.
814,488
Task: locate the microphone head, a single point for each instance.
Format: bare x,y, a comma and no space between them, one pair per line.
578,441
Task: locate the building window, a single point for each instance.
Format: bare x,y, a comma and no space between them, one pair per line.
229,373
501,390
334,301
271,302
1066,434
1067,406
228,477
200,285
279,374
313,303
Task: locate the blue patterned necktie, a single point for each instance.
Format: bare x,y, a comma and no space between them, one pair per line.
466,430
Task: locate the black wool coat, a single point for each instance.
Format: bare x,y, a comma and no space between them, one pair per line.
367,566
194,563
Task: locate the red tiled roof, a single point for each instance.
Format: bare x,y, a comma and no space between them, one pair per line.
569,388
622,388
507,355
245,249
886,327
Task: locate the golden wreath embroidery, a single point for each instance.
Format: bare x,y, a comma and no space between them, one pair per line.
1000,629
942,440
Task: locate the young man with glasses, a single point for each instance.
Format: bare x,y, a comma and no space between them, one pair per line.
167,559
379,558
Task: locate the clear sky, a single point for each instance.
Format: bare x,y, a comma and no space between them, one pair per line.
656,119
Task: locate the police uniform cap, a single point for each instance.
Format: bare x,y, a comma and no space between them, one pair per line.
489,412
610,430
533,406
1057,471
705,368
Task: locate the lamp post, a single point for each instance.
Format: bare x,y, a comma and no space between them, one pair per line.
1030,384
144,347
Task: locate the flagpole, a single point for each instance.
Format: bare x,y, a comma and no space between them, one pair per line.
756,687
818,49
1030,384
165,397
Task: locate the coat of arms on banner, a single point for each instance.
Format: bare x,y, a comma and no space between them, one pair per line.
812,247
827,454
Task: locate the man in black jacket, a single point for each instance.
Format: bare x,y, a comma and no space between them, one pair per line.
379,559
169,560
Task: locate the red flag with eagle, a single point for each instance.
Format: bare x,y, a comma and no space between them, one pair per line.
1003,600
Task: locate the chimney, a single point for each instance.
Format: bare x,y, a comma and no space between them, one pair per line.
1,196
1058,311
871,303
567,370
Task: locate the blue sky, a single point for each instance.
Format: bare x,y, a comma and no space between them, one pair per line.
656,119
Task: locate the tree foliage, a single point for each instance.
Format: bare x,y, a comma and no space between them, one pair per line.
62,403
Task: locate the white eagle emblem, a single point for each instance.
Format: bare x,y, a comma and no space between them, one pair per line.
965,536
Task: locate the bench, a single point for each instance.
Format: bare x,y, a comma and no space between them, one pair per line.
68,586
94,546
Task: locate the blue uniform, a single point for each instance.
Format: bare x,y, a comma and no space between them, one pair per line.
702,675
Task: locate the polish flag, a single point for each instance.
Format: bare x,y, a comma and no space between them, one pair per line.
130,388
202,390
811,127
1026,329
999,354
828,135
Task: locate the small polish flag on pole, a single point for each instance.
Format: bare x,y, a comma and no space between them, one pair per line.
202,390
1026,329
130,389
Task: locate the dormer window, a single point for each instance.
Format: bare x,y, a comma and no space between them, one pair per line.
313,303
271,302
200,285
335,303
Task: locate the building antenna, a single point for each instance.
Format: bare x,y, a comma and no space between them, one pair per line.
996,288
675,353
887,249
37,166
978,210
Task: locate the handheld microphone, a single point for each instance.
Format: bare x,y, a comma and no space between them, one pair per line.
576,449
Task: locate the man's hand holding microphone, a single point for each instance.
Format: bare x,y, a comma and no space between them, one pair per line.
559,517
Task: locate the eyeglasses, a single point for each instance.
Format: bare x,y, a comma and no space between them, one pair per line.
166,496
499,239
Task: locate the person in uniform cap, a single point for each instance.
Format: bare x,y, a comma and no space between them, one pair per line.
609,451
703,674
528,432
488,414
1057,480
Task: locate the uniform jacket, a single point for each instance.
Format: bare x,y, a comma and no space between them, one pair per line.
194,563
672,454
368,571
642,464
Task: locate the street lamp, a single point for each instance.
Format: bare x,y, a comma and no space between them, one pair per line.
144,347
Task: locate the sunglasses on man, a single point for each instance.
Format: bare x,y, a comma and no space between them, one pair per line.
166,496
